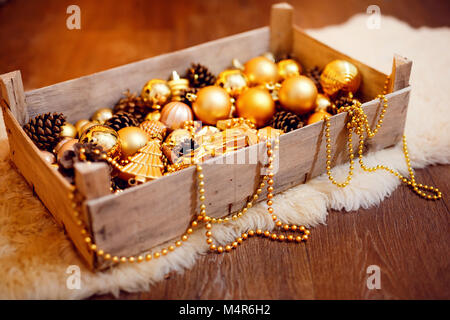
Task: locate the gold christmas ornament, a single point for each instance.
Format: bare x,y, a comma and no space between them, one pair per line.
85,127
103,136
156,92
102,115
154,115
174,114
261,70
205,133
79,124
234,81
154,129
68,130
61,143
177,86
66,147
318,116
322,102
47,156
131,140
256,105
176,136
288,68
212,103
298,94
340,75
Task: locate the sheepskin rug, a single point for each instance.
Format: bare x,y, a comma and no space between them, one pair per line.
35,254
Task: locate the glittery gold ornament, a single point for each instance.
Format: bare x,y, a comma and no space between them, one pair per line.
261,70
66,147
177,86
131,140
102,115
298,94
154,115
234,81
212,103
156,92
340,75
322,102
103,136
288,68
154,129
47,156
318,116
79,124
174,114
256,105
68,130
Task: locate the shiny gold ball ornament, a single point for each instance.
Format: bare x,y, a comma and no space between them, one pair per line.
177,136
340,75
261,70
288,68
69,145
318,116
234,81
102,115
256,104
322,102
298,94
103,136
131,140
80,123
86,126
212,104
157,92
154,115
68,130
175,113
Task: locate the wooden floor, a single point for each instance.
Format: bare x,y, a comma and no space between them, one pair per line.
408,238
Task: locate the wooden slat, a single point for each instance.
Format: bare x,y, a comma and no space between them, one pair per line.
401,71
92,179
12,92
281,29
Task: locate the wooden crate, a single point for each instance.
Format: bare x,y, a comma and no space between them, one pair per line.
150,214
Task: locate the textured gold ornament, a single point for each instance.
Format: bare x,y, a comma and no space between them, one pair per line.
288,68
102,115
212,104
261,70
175,114
131,140
66,147
256,105
318,116
298,94
340,75
156,92
47,156
154,115
177,86
68,130
234,81
154,129
177,136
322,102
103,136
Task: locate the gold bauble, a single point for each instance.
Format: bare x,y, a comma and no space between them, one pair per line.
47,156
318,116
174,114
68,130
177,86
66,147
177,136
212,104
131,140
298,94
60,144
103,136
256,105
79,124
85,127
102,115
234,81
340,75
155,115
322,102
261,70
288,68
156,92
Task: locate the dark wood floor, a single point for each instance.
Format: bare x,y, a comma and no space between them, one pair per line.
408,238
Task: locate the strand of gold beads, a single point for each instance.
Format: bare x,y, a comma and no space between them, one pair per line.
359,124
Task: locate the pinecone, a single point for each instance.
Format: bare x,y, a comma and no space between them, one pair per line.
121,120
134,105
343,101
199,76
286,121
45,130
184,94
314,75
185,147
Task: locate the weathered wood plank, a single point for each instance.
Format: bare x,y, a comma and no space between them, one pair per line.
12,92
401,71
281,29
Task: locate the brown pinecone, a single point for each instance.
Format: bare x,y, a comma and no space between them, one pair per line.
184,94
45,130
314,75
134,105
122,120
199,76
343,101
286,121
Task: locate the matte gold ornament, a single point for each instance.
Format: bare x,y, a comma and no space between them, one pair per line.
322,102
69,145
261,70
68,130
154,115
47,156
175,114
79,124
234,81
156,92
61,143
340,75
298,94
212,103
318,116
177,86
256,105
288,68
102,115
103,136
131,140
154,129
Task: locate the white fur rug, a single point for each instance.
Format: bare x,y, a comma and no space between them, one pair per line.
35,254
